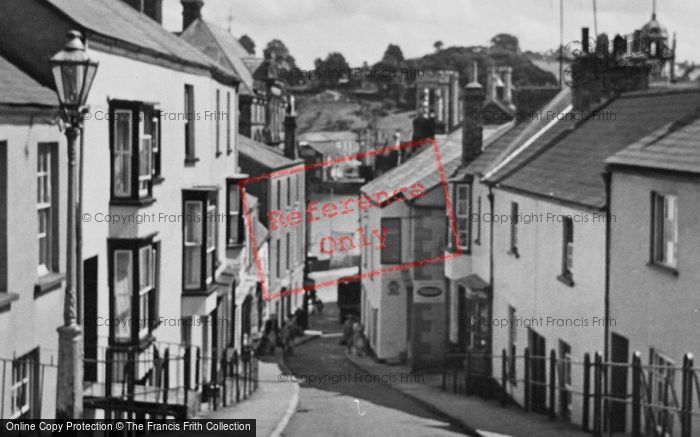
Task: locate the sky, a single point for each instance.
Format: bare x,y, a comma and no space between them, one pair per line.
362,29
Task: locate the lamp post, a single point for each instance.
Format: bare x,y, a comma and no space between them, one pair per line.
73,72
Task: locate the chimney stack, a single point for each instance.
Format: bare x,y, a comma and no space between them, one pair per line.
584,39
191,11
472,123
508,86
290,130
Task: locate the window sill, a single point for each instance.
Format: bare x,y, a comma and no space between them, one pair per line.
235,245
566,279
139,346
132,202
662,268
47,283
459,251
514,252
157,180
6,300
191,161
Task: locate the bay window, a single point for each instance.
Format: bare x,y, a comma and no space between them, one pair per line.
460,236
199,238
136,152
133,272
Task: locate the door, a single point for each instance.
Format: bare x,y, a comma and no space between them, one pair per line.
479,335
618,382
90,318
462,319
565,380
538,372
246,309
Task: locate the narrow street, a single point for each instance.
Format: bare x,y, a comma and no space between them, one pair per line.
339,399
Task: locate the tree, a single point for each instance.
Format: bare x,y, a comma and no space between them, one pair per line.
279,52
248,44
506,42
393,54
332,69
438,45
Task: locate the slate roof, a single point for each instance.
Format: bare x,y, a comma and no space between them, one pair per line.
17,88
515,154
323,136
569,168
675,147
492,149
118,20
223,48
262,154
423,168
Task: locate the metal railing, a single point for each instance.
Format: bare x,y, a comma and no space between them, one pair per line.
662,400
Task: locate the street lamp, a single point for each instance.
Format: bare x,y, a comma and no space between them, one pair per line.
73,72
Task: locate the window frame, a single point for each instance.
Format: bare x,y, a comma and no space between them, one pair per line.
567,252
142,325
463,218
218,123
659,240
513,237
190,117
207,197
229,150
51,176
477,240
144,124
385,223
232,186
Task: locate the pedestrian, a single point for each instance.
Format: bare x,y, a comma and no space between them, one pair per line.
359,341
346,339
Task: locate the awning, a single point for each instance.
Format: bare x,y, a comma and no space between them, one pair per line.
475,284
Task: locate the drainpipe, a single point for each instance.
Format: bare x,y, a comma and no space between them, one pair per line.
607,177
491,264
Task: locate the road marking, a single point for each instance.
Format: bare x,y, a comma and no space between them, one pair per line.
491,434
332,335
357,401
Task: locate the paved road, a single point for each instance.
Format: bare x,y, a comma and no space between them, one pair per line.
354,404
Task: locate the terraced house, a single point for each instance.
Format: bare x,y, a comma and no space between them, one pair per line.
166,269
32,242
536,272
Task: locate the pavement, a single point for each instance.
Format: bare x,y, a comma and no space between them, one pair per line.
487,417
272,404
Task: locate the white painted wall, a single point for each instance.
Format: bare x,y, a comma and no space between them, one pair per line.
30,322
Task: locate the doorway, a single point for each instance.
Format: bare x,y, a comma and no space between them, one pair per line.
90,319
618,382
538,374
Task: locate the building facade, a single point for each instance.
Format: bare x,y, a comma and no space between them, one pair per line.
32,243
164,252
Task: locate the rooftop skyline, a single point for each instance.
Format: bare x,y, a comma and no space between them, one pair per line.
313,28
